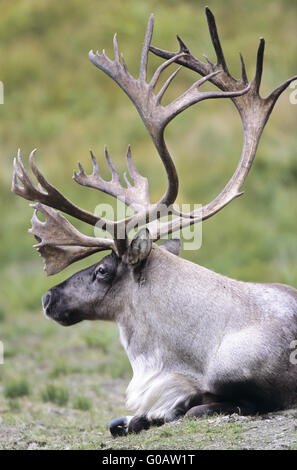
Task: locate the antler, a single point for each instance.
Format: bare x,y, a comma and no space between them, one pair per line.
153,114
253,109
45,193
60,243
56,232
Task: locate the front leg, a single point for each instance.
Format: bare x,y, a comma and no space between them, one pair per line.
134,424
119,426
131,424
138,423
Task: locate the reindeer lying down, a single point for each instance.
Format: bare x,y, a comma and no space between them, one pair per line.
198,342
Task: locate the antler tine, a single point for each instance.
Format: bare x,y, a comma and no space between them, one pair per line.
259,65
162,67
114,173
134,174
95,164
140,184
166,84
243,70
272,98
116,49
145,49
22,173
216,40
183,47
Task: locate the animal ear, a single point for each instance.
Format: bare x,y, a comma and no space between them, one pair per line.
172,245
140,246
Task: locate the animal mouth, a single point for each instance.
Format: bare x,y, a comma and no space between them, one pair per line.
64,318
66,322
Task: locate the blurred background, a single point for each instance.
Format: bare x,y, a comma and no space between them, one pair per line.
57,101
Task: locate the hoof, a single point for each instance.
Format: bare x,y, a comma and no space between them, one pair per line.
119,426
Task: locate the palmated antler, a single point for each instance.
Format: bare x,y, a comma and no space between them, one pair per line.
253,109
60,244
57,258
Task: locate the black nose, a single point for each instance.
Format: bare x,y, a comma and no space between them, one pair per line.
46,299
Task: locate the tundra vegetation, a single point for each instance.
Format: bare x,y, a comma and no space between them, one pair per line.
60,387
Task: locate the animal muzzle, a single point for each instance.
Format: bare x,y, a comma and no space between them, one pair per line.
56,309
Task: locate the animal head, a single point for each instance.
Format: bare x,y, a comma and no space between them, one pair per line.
99,292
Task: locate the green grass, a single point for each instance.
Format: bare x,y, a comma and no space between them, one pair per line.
14,405
55,394
82,403
188,434
59,369
104,343
17,388
57,101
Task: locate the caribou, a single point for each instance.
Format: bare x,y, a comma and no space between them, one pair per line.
198,342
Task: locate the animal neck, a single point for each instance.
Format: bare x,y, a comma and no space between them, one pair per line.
169,294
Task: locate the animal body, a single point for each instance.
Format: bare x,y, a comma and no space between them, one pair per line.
198,342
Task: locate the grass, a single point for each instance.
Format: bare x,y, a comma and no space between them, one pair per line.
17,388
103,343
57,101
55,394
82,403
60,368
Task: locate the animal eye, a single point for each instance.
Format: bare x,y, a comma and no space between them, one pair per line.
101,271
